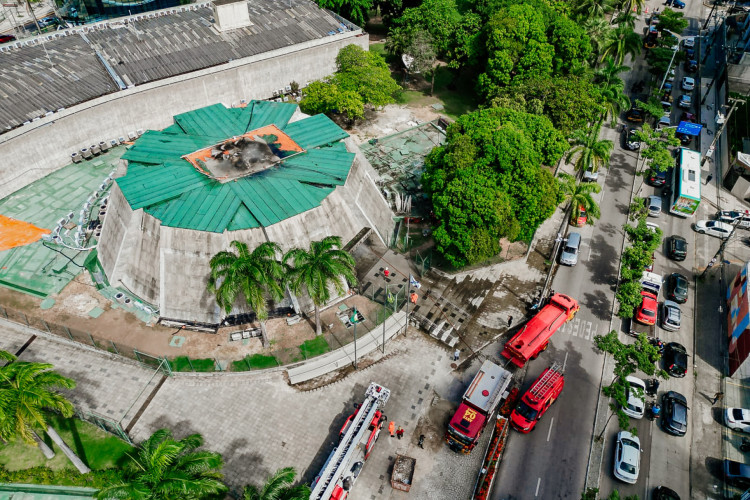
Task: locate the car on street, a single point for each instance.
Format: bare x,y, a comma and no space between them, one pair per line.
691,65
590,176
635,114
690,53
582,218
670,79
678,4
741,218
664,121
627,457
664,493
646,312
46,21
675,359
635,395
632,143
687,83
685,101
737,474
737,419
688,117
713,228
656,179
7,38
688,42
675,418
654,205
685,139
677,247
670,316
569,254
677,288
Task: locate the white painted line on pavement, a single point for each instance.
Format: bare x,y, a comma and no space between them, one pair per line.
565,362
549,432
538,482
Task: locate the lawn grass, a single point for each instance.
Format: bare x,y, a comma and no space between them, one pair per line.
97,448
455,94
314,347
254,362
184,364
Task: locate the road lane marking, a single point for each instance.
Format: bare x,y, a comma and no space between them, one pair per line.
565,362
538,482
549,432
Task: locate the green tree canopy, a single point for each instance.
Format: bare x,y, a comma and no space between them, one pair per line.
672,21
356,11
365,73
327,97
487,181
657,144
580,195
279,486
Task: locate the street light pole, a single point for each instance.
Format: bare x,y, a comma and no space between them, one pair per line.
674,53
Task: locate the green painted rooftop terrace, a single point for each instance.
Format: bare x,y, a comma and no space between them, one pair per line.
173,174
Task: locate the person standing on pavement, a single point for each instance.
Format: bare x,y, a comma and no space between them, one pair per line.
400,432
456,354
717,397
510,321
392,427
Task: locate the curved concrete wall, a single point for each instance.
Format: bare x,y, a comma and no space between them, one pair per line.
37,149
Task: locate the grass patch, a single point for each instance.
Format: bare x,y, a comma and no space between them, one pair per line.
185,364
98,449
254,362
314,347
457,95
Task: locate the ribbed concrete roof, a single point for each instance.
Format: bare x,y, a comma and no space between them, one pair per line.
171,189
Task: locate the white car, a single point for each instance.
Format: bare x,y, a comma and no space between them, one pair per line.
670,317
714,228
627,457
688,83
737,419
688,43
635,395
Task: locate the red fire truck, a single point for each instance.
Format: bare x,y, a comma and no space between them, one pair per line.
537,400
479,402
534,337
356,440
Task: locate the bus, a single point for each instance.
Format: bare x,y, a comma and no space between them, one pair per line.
686,184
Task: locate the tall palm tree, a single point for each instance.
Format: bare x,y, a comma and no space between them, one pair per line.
598,31
590,9
163,468
625,18
27,392
279,487
579,195
590,152
615,100
319,268
251,274
609,71
622,41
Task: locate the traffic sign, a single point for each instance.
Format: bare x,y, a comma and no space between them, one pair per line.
689,128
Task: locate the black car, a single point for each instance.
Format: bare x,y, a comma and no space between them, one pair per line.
677,288
691,65
737,474
675,359
664,493
690,53
685,139
675,419
656,179
677,248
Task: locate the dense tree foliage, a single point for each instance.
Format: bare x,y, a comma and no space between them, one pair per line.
487,181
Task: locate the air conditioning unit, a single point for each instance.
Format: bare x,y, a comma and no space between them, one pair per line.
121,139
49,113
76,157
86,153
139,132
95,149
132,136
103,146
113,142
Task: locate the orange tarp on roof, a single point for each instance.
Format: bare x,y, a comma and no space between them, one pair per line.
16,233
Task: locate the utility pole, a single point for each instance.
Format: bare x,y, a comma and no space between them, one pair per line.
708,19
710,150
720,252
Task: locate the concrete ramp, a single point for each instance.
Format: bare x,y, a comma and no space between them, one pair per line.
368,342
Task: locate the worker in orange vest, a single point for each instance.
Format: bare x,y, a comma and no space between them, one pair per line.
392,427
413,297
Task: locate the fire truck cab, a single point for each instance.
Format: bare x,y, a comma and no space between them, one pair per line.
536,401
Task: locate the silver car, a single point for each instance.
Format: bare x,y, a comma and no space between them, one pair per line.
654,205
569,255
670,317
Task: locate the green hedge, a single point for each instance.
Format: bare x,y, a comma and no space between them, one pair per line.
185,364
314,347
254,362
64,477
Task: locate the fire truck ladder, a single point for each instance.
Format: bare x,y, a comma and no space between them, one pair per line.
375,397
546,382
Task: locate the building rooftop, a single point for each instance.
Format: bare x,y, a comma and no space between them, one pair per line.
172,173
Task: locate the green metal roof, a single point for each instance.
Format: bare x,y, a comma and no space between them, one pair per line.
172,190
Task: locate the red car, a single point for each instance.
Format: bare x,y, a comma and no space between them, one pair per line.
646,312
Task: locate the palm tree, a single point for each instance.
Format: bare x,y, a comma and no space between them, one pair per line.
622,41
27,392
165,468
251,274
319,268
590,9
615,100
590,152
598,31
609,71
279,487
579,195
625,18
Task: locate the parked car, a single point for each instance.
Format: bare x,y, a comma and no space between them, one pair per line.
675,359
670,79
646,312
675,419
690,53
670,316
687,83
582,218
7,38
654,205
714,228
627,457
677,247
691,65
737,419
688,117
46,21
737,474
635,114
741,218
632,142
569,254
590,176
678,4
688,42
685,139
664,493
635,395
664,121
685,101
677,288
656,179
